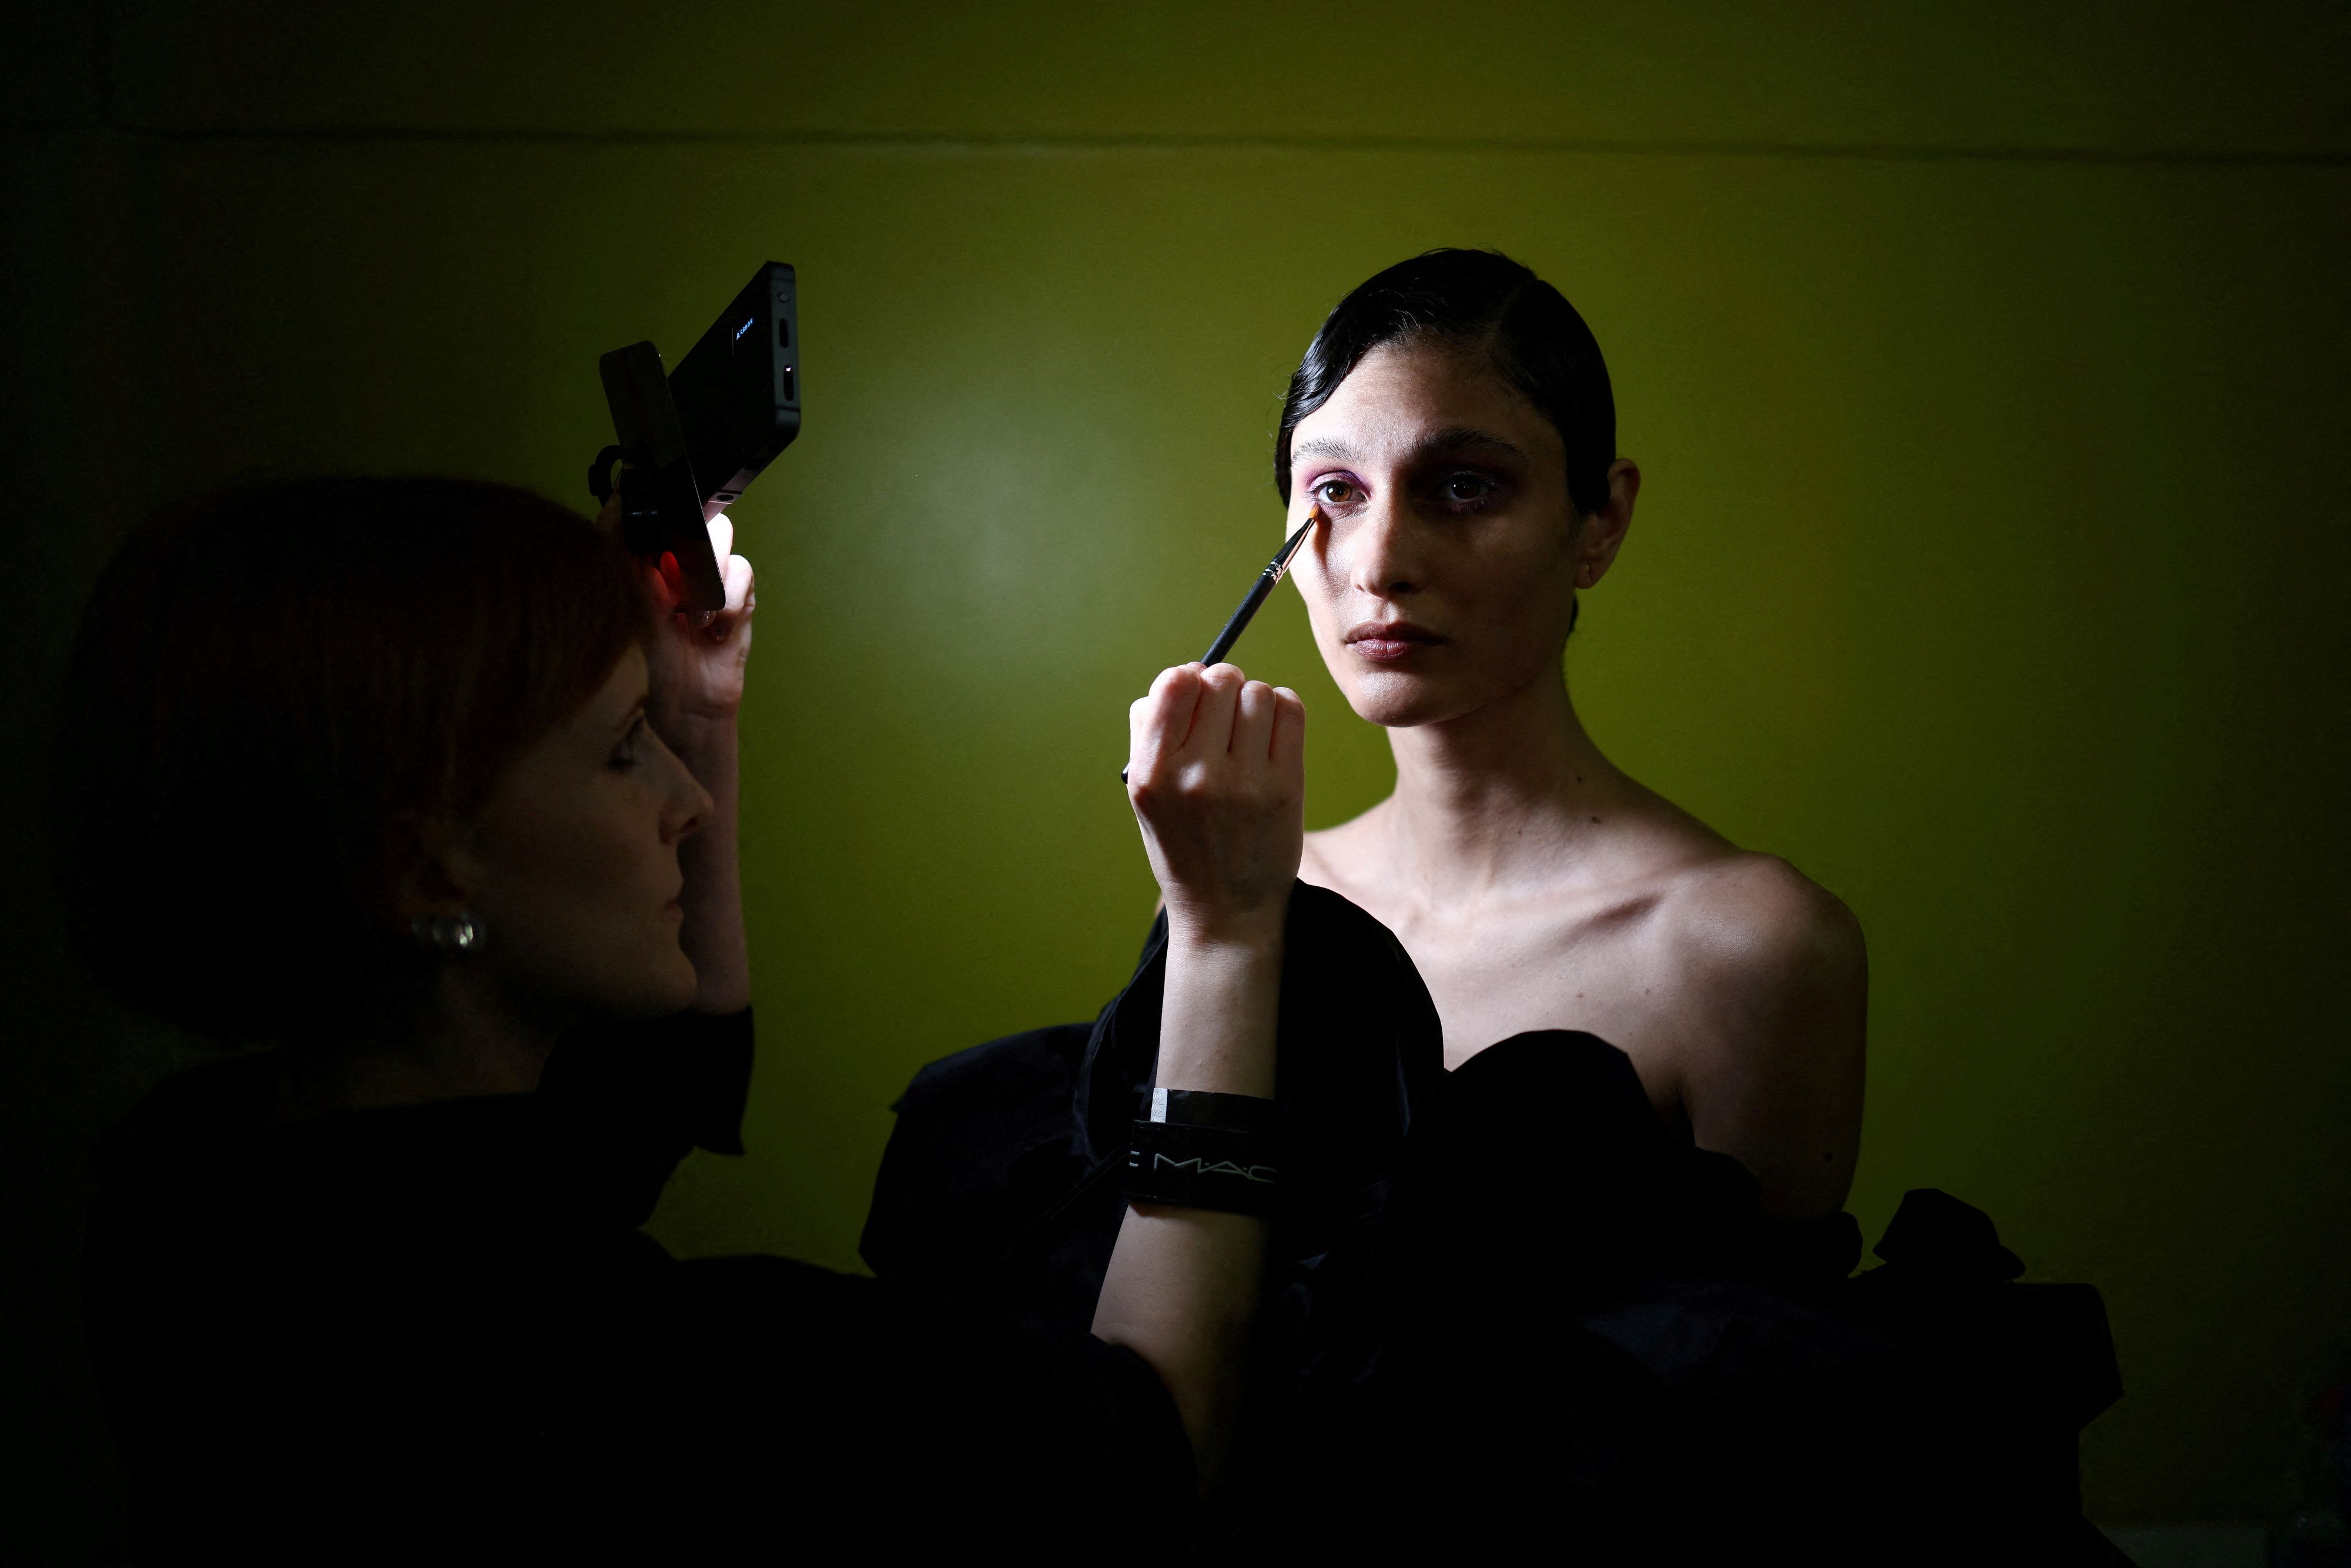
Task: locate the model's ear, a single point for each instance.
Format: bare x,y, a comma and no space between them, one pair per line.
1602,534
429,868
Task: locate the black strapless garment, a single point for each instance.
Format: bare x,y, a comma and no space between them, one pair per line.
1509,1316
436,1334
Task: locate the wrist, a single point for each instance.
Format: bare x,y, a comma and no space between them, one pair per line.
1217,1022
698,733
1232,934
1224,965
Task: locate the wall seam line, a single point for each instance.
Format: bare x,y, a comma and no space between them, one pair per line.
1083,145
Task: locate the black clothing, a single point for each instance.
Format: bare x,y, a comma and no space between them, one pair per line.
1508,1313
436,1332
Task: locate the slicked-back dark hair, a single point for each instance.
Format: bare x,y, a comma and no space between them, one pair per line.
264,686
1485,301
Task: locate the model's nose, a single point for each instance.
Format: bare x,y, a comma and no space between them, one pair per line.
1383,556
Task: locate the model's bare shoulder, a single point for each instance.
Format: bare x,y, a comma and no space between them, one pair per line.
1744,918
1779,969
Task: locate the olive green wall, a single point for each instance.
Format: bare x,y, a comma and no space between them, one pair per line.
1987,373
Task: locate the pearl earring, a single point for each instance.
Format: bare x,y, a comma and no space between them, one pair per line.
460,933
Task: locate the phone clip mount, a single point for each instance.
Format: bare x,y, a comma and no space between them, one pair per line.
661,505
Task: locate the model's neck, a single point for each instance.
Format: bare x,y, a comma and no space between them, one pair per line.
1476,794
468,1038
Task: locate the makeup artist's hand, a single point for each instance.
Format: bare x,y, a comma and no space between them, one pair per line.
1217,774
697,671
698,687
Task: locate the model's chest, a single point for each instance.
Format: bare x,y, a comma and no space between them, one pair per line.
1607,971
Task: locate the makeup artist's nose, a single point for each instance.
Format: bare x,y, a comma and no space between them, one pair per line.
688,804
1384,558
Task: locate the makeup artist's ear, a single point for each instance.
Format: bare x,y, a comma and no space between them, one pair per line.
1599,535
429,867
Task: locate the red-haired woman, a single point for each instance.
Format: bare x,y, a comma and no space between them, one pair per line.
413,787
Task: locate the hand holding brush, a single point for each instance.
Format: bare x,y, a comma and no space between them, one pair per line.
1255,597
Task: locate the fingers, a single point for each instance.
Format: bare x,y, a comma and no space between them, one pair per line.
1220,695
1253,722
735,573
722,536
608,521
1206,713
1289,742
1159,724
661,586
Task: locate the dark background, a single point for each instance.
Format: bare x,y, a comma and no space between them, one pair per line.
1987,364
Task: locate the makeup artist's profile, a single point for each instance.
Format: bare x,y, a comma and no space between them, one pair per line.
418,796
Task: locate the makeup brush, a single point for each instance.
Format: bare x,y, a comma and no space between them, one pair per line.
1275,569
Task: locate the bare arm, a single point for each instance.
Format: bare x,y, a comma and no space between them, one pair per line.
711,934
1217,778
1182,1286
1775,1077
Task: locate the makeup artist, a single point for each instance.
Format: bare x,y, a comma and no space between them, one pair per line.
419,793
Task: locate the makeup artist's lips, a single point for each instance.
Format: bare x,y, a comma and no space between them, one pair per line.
1386,642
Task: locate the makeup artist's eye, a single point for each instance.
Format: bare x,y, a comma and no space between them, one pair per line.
1336,492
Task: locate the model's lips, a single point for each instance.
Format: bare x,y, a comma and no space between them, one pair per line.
1384,642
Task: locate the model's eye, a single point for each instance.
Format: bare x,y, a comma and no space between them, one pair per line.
1467,489
625,755
1336,492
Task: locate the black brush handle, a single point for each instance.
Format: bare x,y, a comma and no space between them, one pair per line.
1241,617
1254,599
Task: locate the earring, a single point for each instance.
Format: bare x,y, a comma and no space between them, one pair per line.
460,933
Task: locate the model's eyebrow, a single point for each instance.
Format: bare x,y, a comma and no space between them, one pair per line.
1338,450
1448,442
1461,438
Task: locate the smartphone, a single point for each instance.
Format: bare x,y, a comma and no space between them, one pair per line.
738,391
692,440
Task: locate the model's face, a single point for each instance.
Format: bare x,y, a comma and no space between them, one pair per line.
1448,573
573,862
